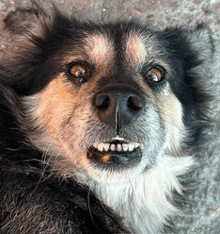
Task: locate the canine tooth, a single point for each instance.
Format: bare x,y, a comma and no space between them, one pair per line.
119,147
112,147
95,145
100,146
136,145
130,147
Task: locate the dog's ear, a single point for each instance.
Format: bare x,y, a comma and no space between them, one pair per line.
185,42
27,22
33,41
201,42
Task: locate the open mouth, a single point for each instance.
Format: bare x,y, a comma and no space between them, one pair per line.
117,152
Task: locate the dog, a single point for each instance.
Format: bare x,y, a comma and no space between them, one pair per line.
99,123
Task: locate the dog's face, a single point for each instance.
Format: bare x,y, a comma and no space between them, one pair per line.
110,108
106,101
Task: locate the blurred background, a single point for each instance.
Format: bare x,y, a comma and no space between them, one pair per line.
203,213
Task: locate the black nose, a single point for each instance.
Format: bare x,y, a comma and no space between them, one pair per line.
119,105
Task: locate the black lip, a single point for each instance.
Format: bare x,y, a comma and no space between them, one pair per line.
114,158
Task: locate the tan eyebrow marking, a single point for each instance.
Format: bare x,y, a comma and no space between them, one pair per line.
100,49
135,48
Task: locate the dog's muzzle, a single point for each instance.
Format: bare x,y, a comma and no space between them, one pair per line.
117,107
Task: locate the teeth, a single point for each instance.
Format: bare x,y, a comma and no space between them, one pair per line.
102,146
126,147
119,147
96,145
106,146
113,146
130,147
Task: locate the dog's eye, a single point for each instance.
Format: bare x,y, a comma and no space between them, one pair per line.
79,71
155,74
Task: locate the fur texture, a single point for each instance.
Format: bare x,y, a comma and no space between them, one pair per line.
98,123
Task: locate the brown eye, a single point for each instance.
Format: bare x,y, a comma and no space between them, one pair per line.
155,74
78,71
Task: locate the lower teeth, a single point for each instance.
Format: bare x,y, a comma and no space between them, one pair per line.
120,147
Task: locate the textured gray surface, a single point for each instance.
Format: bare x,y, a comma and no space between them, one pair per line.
204,210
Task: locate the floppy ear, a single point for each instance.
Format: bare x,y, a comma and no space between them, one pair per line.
33,42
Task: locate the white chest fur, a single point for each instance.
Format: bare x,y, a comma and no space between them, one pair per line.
143,200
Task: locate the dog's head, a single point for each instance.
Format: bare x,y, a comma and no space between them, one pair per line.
106,101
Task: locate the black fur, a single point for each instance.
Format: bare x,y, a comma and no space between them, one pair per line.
193,94
35,201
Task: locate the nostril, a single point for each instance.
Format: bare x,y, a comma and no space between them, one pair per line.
102,102
118,106
134,103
